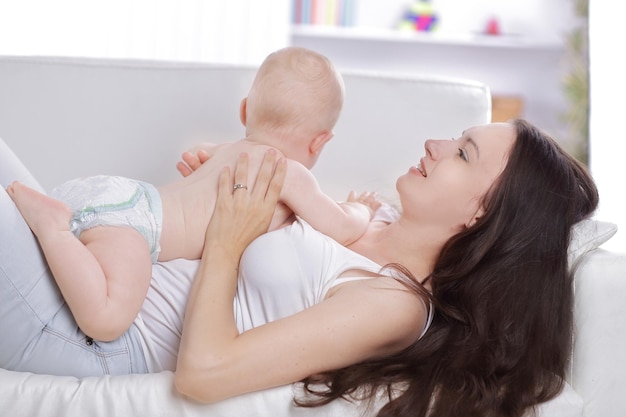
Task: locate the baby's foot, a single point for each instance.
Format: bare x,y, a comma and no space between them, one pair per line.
41,212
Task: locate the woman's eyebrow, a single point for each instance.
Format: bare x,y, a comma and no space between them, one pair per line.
475,145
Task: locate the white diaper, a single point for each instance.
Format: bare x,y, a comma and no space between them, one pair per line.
114,201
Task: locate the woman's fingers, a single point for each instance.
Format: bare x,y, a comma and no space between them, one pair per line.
240,187
203,156
276,183
242,214
269,181
184,170
189,164
224,186
192,161
264,175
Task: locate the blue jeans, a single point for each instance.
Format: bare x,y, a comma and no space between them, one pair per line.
38,331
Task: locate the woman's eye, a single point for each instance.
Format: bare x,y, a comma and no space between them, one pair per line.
463,154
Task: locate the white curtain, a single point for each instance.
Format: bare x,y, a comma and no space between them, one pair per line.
607,128
219,31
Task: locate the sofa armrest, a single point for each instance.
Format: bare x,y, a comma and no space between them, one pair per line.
599,360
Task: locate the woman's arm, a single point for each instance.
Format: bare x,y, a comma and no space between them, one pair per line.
361,320
365,319
240,215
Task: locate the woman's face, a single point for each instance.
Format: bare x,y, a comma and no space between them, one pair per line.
447,185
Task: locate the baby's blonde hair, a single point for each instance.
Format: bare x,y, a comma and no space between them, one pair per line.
296,93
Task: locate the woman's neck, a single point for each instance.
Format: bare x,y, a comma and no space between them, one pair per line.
416,250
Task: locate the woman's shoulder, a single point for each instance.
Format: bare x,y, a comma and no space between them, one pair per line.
389,306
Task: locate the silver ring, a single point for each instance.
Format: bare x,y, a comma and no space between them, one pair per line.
238,186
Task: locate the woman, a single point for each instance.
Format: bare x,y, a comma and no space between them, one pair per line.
481,241
485,227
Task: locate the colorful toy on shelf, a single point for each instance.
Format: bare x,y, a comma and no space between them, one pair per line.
420,16
492,27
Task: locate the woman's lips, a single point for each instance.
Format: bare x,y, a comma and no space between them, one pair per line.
421,168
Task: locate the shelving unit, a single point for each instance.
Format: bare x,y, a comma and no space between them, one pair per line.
360,34
525,69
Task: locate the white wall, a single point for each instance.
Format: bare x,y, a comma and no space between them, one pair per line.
536,18
233,31
608,132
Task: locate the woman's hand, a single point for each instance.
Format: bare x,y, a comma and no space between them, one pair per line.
195,157
192,161
244,211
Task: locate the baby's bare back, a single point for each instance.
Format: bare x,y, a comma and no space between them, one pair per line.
188,203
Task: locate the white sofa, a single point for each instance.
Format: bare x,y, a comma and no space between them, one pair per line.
73,117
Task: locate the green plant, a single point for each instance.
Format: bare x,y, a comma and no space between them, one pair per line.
576,83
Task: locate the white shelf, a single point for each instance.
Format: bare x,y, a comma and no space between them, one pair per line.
431,38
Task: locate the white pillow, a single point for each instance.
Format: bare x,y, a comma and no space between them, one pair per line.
567,404
586,236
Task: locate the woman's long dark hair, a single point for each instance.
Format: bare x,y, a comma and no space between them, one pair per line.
502,289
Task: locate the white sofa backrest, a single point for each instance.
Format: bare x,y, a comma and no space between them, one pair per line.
75,117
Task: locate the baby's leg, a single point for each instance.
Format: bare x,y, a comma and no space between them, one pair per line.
45,215
104,276
121,270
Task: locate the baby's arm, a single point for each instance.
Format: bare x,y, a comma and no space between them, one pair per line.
345,222
367,199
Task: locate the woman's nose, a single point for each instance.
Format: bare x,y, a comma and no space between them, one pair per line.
428,146
434,147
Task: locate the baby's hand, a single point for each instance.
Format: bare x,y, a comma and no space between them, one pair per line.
192,161
368,199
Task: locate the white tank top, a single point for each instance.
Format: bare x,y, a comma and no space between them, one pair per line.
281,273
289,270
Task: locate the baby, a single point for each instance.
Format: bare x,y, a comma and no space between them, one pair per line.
124,225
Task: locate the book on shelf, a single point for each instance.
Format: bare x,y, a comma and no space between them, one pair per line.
323,12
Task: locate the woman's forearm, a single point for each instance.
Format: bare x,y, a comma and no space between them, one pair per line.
209,329
209,311
209,325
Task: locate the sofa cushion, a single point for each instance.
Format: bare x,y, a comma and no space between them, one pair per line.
153,395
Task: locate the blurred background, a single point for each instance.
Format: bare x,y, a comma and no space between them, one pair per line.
557,63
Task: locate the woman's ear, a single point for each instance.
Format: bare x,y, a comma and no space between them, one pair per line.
318,142
477,215
243,108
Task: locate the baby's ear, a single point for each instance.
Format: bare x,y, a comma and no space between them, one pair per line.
243,108
317,144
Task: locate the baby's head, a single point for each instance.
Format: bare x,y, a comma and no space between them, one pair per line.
296,97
